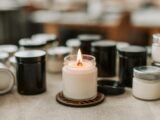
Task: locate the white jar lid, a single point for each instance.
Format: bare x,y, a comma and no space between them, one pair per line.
44,37
26,42
73,42
59,51
149,73
8,48
3,55
88,37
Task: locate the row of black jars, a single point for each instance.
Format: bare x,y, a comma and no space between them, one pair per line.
129,57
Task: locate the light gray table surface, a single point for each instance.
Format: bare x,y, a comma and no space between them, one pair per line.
44,106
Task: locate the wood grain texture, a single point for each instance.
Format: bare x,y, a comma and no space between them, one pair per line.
44,106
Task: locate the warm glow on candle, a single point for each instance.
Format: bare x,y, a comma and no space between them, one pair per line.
79,58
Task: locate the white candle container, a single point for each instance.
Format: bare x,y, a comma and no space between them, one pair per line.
74,44
79,83
56,58
156,48
146,83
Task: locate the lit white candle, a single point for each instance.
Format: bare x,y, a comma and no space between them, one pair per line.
79,76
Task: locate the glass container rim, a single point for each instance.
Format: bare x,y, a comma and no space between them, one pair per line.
92,58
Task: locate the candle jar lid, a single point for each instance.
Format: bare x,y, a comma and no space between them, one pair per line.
110,87
89,37
147,73
104,43
30,56
156,64
8,48
73,42
132,51
28,43
59,51
49,38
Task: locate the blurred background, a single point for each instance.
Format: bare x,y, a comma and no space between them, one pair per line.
132,21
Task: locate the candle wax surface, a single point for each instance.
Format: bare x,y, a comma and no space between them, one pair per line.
85,65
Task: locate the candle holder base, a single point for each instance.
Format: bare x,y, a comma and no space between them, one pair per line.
80,103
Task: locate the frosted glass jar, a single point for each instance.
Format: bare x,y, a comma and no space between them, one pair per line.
156,48
146,83
79,82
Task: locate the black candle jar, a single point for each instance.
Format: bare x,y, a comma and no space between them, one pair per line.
86,40
31,72
105,53
130,57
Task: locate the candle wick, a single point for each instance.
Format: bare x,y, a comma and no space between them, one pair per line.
79,63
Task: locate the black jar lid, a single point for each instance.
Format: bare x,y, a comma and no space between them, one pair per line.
110,87
133,51
103,43
89,37
30,56
156,64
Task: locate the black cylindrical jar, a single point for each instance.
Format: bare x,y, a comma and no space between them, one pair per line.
86,40
105,53
130,57
31,72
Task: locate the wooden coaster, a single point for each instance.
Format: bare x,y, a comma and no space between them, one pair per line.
80,103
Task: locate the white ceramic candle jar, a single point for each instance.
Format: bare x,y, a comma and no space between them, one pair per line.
146,83
156,48
79,77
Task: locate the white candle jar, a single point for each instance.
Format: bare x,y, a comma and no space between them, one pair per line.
56,58
79,83
156,48
146,83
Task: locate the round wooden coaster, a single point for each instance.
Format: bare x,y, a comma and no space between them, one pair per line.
80,103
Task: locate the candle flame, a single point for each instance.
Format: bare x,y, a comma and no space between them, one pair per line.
79,58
